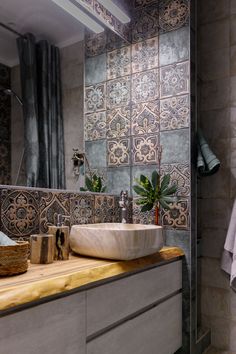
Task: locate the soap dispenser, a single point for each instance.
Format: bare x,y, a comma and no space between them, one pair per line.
61,237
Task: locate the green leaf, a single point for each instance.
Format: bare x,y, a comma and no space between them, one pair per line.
164,204
103,189
88,183
155,180
139,190
145,183
141,201
170,191
147,207
82,189
165,182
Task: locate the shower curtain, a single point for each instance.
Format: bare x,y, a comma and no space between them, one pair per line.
42,106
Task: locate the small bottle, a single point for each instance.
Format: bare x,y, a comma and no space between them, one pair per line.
61,237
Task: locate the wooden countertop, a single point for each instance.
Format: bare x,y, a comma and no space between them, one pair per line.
41,280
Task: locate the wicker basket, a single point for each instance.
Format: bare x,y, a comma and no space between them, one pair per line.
13,258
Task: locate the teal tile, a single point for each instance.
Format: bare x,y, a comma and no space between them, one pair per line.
96,153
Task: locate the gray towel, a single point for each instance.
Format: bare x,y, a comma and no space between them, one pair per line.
207,162
5,240
228,261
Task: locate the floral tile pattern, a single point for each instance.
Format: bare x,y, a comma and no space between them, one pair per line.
114,41
81,209
177,217
19,212
118,92
52,203
118,152
119,63
95,126
145,23
142,217
118,122
174,80
145,150
145,86
104,208
145,55
174,113
145,118
173,14
95,44
95,98
179,174
143,3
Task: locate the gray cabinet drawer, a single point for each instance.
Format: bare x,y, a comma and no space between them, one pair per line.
56,327
114,301
158,330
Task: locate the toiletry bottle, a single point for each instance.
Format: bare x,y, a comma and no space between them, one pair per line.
61,237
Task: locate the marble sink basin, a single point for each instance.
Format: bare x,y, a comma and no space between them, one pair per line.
115,240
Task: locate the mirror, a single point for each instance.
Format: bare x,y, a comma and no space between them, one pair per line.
46,21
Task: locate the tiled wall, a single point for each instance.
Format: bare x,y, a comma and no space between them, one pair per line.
137,98
217,87
5,124
25,211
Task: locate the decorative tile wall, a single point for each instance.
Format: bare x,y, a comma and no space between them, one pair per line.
5,124
147,83
26,211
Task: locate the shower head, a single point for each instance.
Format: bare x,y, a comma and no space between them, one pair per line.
9,92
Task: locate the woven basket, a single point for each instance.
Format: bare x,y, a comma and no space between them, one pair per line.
13,258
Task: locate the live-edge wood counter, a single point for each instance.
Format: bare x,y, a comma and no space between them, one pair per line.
41,281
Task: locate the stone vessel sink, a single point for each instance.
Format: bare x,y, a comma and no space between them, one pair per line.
115,240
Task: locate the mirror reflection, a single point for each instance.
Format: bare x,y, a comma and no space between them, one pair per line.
42,93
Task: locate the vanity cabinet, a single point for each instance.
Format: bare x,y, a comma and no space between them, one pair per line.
140,313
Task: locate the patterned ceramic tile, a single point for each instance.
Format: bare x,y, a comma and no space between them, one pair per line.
145,55
52,203
145,86
95,98
173,14
143,3
174,113
177,217
118,152
104,208
140,217
118,92
114,41
19,212
174,80
145,23
145,118
95,44
95,126
180,174
118,122
81,209
145,150
119,63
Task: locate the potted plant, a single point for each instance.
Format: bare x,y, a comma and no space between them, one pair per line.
93,184
155,193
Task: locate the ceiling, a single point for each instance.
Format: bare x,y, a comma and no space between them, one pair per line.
43,18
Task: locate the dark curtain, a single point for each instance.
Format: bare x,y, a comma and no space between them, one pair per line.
42,104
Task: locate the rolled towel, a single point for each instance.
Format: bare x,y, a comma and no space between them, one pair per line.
207,162
5,240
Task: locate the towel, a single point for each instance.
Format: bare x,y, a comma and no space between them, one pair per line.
5,240
207,162
228,261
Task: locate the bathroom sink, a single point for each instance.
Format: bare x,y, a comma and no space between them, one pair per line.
115,240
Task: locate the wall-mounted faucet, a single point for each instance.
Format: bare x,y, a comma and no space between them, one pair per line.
78,161
123,203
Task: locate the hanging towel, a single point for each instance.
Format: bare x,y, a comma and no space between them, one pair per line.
207,162
228,260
